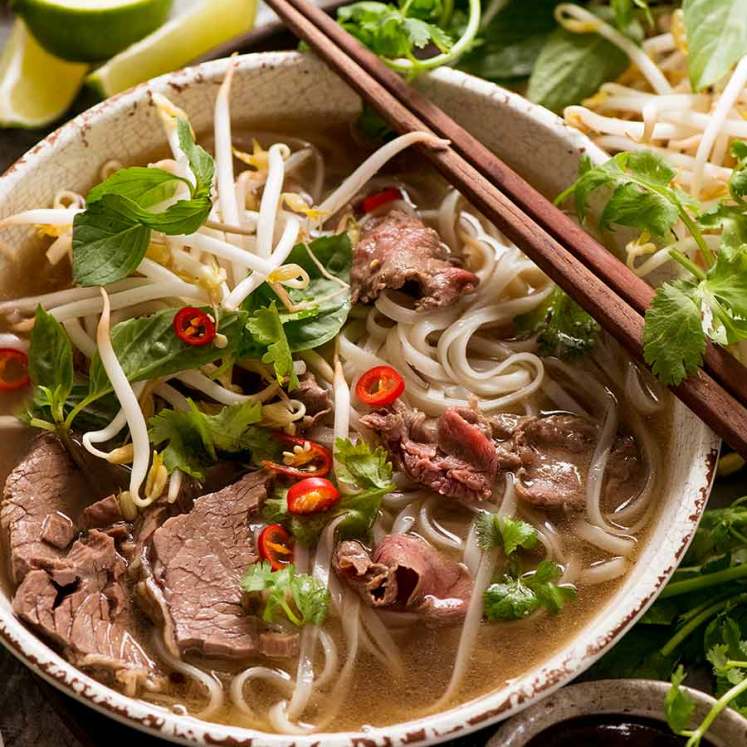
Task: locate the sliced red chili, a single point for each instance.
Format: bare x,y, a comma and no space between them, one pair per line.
312,495
379,386
377,199
14,369
303,458
275,545
194,327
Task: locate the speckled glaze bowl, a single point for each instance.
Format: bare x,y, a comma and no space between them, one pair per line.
298,88
629,697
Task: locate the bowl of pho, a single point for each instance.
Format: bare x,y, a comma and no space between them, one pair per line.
296,443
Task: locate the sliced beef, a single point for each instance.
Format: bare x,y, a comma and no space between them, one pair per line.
556,452
398,249
102,513
457,457
81,604
198,559
315,398
39,502
406,573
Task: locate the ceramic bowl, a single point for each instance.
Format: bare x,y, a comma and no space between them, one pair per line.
297,88
630,697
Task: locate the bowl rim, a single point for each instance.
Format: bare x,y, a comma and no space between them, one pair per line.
459,720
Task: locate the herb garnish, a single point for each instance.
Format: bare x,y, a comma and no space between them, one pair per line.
111,236
298,597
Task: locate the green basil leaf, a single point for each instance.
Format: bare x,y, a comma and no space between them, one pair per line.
148,348
50,354
200,161
571,67
716,38
512,41
144,186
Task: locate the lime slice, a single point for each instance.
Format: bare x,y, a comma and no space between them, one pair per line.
179,41
35,87
91,30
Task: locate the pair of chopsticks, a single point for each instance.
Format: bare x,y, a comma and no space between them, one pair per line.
583,268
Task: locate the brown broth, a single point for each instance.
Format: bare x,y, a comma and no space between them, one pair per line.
504,651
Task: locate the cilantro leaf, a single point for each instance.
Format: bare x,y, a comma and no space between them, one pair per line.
640,192
562,327
514,598
389,31
364,475
298,597
673,338
193,437
504,532
738,178
732,220
679,707
267,329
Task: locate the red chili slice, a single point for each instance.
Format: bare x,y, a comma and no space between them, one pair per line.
310,460
379,386
194,327
312,495
377,199
14,369
275,545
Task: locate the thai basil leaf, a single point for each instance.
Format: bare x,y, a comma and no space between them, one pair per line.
107,246
571,67
144,186
148,348
716,38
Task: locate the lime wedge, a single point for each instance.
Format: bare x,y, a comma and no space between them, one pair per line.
179,41
91,30
35,87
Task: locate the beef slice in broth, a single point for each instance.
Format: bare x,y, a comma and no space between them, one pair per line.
197,560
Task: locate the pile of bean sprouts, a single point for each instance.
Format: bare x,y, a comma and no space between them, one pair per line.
464,355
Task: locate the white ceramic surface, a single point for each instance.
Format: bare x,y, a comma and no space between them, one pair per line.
299,88
630,697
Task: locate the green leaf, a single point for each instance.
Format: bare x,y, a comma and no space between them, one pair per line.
144,186
194,438
738,178
732,220
512,41
725,290
388,30
148,348
510,599
639,183
514,598
716,38
571,67
267,329
562,327
673,337
201,162
624,12
679,707
297,597
107,246
364,475
51,357
542,582
504,532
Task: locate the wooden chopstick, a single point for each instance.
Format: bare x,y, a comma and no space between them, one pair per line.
701,393
723,366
